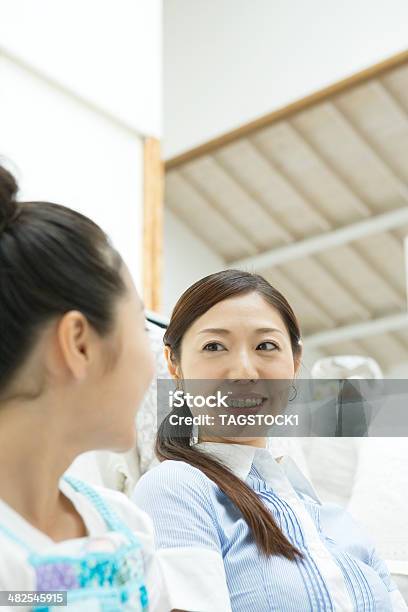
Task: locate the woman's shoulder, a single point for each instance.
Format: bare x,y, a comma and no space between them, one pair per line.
171,471
174,480
15,573
135,518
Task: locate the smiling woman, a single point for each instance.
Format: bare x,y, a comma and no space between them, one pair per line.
250,531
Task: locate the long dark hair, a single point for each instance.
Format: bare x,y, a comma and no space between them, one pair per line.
52,260
194,302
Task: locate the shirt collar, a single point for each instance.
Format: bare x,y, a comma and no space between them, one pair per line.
239,458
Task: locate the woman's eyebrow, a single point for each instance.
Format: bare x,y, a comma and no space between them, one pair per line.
214,330
220,330
266,330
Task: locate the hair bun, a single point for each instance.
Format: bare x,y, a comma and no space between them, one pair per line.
8,192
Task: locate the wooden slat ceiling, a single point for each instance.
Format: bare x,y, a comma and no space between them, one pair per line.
333,163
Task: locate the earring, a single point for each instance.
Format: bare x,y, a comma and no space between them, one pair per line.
295,393
194,435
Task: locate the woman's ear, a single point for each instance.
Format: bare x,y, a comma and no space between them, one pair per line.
74,343
172,364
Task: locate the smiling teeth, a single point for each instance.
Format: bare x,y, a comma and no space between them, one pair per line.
244,403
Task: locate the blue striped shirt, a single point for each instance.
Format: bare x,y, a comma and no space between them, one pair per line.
212,562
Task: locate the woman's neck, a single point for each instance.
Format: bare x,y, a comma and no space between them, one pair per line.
33,457
256,442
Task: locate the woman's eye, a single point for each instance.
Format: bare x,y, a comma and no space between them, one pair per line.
267,346
213,347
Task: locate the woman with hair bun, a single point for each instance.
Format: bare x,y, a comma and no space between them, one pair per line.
72,338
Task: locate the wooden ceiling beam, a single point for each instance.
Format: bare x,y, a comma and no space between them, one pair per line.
327,240
357,331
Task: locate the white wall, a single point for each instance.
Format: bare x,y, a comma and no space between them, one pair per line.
227,62
186,260
64,153
109,51
64,150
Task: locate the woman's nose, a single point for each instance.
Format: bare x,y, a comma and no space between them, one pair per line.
243,368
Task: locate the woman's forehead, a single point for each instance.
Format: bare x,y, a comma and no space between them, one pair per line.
249,311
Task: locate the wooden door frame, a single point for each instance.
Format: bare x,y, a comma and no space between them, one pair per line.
153,224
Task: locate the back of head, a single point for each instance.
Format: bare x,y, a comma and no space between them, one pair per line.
52,260
8,192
